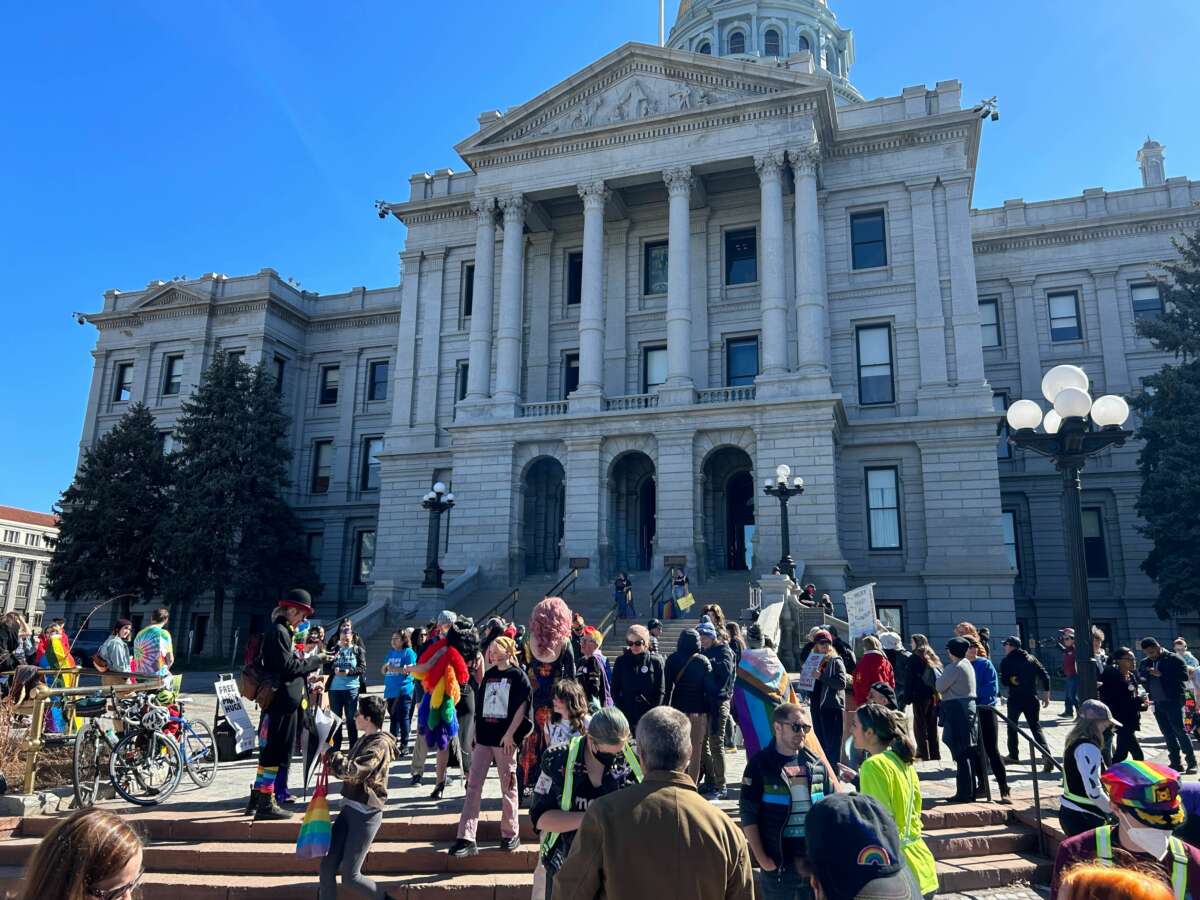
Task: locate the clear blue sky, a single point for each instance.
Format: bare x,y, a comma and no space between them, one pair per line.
145,140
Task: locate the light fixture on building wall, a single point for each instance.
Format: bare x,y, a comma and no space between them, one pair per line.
1076,429
780,488
437,501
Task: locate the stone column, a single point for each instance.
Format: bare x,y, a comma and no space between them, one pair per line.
479,364
615,308
581,534
590,395
404,377
812,304
968,341
679,389
1027,339
508,334
931,319
774,286
1112,341
433,268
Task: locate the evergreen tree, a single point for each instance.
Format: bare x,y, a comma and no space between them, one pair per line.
233,533
1169,409
112,517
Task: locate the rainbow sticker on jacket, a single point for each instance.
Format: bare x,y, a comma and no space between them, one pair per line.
873,855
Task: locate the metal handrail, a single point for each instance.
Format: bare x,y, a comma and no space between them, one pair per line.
507,604
1034,762
567,581
658,590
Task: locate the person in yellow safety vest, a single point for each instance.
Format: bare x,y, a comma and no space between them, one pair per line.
1145,800
574,774
1084,804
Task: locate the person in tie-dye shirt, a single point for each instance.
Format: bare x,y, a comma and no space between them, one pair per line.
153,650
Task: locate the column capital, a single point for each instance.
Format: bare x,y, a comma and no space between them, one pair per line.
514,208
1104,274
769,164
1021,281
483,205
805,158
678,181
594,194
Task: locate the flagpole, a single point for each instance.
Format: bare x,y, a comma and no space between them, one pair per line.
662,35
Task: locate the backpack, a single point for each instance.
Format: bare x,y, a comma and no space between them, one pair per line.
253,645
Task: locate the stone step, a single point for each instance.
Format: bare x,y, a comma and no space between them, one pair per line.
271,857
979,840
193,886
973,873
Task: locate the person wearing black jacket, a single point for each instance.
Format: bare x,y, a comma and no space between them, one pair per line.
638,681
1023,674
1118,690
287,669
1165,674
689,691
720,692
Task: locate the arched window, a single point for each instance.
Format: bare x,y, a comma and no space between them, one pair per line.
804,45
771,42
705,48
737,42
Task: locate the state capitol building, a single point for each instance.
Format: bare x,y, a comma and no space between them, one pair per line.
644,289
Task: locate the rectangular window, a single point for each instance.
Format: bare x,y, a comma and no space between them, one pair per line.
314,544
574,278
1064,316
875,364
883,509
741,256
468,290
1000,405
27,567
31,539
570,376
280,369
654,268
322,466
364,556
892,617
868,243
989,322
741,361
123,383
331,376
166,442
461,375
5,563
1009,518
236,356
11,536
172,374
377,379
1147,301
23,590
1095,554
370,463
654,368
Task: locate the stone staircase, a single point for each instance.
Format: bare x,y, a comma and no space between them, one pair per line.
218,855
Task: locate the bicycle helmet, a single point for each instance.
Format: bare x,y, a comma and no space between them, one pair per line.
155,718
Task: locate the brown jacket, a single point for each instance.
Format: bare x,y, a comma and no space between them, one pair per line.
657,839
364,772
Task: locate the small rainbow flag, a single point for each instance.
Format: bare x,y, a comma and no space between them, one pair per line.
317,831
54,652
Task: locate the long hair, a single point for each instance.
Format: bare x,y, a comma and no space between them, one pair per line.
1091,730
79,852
921,648
1093,880
716,615
891,729
574,699
549,628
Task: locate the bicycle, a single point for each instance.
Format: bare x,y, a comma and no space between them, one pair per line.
196,743
146,764
94,745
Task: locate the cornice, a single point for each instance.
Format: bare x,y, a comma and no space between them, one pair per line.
1079,231
275,306
443,210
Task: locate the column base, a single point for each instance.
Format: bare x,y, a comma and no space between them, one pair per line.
468,409
815,383
421,437
776,386
506,407
586,401
682,394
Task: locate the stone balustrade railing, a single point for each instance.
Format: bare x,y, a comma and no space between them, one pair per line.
539,410
632,401
739,394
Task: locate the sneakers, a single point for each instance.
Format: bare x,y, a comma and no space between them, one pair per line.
464,848
510,844
714,794
1191,767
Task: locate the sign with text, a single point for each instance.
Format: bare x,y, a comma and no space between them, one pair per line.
860,610
235,712
808,675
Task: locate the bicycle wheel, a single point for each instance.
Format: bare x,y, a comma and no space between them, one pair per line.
145,767
199,752
88,765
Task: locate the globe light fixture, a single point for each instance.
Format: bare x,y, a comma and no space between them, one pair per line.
1061,377
780,490
1110,411
1024,414
437,501
783,472
1052,422
1073,402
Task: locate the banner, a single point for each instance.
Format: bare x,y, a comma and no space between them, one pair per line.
235,713
808,675
860,611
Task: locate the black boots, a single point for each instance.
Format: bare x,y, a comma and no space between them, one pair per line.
266,808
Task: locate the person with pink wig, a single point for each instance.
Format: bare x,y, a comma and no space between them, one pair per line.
548,657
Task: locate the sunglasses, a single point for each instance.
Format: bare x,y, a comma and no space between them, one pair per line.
798,727
117,892
635,643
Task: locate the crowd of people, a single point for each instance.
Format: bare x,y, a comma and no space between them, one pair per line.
619,759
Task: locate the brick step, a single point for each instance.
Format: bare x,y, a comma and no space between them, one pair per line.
979,840
191,886
963,815
224,827
972,873
268,858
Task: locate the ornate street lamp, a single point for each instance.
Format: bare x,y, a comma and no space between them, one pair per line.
437,502
1074,430
779,487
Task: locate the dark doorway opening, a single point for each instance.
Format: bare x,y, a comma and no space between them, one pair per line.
632,513
542,520
739,513
728,509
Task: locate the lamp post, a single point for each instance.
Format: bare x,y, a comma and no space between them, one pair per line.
1073,431
437,502
779,487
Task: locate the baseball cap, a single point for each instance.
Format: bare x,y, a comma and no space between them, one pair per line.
123,623
653,623
887,691
1147,791
822,635
1098,711
889,640
854,850
1013,641
707,630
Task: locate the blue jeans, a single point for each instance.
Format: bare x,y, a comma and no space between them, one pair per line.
400,708
1169,716
1070,695
783,884
344,704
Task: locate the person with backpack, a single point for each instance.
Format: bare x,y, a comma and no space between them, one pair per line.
720,693
829,696
689,690
893,649
924,667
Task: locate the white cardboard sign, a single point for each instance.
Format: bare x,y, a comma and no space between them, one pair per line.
860,610
231,705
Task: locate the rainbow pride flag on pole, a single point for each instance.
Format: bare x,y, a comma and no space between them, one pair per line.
54,652
762,684
316,832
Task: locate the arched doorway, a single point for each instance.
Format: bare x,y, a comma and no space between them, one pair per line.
542,516
728,509
632,513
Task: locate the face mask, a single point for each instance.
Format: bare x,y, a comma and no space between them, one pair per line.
1147,840
605,759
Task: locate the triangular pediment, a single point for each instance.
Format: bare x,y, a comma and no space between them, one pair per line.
170,294
632,85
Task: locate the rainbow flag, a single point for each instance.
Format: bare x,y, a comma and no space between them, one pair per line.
55,653
762,684
316,831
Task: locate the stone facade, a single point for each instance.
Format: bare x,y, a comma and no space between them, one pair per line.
668,275
27,542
